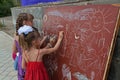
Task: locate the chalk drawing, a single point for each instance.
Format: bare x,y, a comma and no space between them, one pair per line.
60,26
80,15
97,22
45,18
101,42
78,53
52,63
87,32
80,76
76,37
65,41
66,72
92,75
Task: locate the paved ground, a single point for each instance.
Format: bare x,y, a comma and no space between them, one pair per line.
7,71
9,27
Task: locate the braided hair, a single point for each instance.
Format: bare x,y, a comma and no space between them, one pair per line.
23,17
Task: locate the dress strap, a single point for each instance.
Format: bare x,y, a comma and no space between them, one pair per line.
37,55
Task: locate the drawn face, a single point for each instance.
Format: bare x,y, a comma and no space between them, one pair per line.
97,22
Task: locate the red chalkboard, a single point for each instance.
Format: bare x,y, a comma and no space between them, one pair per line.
89,33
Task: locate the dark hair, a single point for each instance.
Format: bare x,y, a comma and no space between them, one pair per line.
26,40
23,17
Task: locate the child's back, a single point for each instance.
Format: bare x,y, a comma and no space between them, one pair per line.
35,67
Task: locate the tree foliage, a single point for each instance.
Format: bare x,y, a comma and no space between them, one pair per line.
5,6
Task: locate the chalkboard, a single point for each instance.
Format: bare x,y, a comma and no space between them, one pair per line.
89,33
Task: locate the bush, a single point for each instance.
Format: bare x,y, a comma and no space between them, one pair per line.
5,6
2,25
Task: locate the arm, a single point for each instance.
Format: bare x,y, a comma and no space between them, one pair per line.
24,60
42,41
52,41
14,49
23,64
50,50
48,46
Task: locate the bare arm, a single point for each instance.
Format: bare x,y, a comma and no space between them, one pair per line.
52,41
42,41
50,50
48,46
14,48
24,60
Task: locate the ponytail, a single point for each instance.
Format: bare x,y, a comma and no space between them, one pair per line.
23,42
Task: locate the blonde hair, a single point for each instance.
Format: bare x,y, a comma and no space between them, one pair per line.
25,41
23,17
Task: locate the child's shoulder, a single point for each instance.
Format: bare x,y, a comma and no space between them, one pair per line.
16,37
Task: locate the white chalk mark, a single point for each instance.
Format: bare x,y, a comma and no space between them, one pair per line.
56,13
92,75
108,15
80,76
101,42
76,37
60,26
80,15
45,18
66,72
110,22
83,29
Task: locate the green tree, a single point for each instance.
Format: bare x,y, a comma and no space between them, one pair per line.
5,6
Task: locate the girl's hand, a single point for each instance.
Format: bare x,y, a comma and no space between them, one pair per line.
61,33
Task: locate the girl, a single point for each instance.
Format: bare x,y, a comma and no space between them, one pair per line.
32,56
24,19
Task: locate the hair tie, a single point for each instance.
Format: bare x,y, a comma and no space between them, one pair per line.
25,29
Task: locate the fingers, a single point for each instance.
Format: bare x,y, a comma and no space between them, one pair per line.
61,33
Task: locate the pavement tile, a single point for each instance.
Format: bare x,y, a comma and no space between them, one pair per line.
7,71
